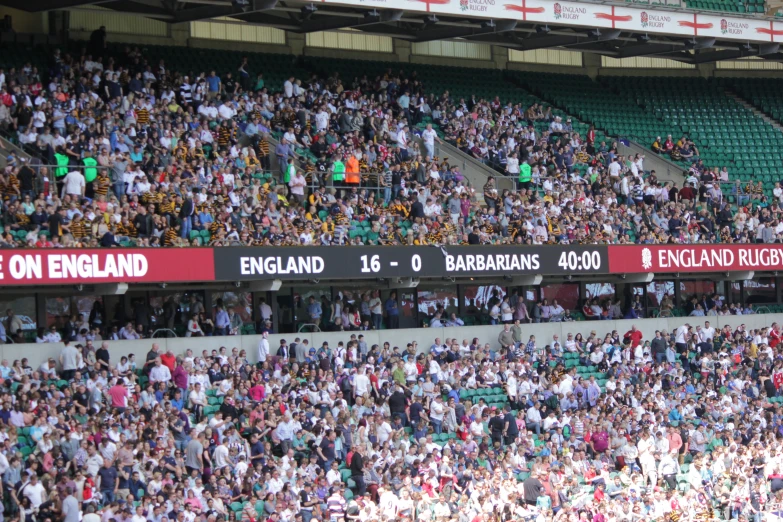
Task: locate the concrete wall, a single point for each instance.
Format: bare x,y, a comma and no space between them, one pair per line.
24,22
37,353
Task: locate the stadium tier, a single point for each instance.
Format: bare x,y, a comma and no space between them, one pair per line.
729,6
364,118
595,103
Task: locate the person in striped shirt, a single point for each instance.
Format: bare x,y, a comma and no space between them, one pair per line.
335,504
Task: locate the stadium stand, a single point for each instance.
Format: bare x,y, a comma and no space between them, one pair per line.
729,6
480,114
143,146
508,408
591,101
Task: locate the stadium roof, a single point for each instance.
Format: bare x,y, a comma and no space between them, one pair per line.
637,32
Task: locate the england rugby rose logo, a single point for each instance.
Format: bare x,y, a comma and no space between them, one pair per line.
646,259
645,19
463,4
724,26
558,11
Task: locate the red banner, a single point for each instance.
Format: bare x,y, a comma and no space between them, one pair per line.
91,266
160,265
694,258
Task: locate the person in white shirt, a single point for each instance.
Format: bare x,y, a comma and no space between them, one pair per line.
107,449
707,333
437,411
429,137
285,432
680,336
361,384
432,208
288,87
533,418
615,168
139,516
3,464
198,400
34,491
226,111
512,165
209,110
333,475
74,184
551,422
263,347
221,456
321,120
402,142
275,484
160,372
383,429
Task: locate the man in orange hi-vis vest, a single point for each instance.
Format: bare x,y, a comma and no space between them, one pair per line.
352,176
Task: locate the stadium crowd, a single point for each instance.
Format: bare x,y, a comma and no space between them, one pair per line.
599,426
146,154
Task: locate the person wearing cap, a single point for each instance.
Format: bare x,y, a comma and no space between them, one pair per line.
335,504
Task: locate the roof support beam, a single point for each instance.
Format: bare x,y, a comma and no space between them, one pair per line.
545,42
289,24
229,9
695,44
442,33
340,22
647,49
732,54
48,5
140,8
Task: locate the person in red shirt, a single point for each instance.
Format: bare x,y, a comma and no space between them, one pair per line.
633,335
777,378
598,495
168,359
600,441
774,336
257,392
687,192
43,242
119,395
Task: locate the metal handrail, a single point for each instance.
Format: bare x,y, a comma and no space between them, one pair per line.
315,326
163,330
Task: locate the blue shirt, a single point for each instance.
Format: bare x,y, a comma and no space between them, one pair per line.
108,478
221,319
214,83
205,218
391,307
314,310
